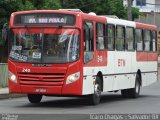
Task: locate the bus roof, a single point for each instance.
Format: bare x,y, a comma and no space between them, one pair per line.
46,11
97,18
120,22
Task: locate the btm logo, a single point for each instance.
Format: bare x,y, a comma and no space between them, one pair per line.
121,63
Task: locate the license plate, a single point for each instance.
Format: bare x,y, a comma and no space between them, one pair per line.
40,90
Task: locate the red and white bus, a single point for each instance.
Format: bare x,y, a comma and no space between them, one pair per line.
68,53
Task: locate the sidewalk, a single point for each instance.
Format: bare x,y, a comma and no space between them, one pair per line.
4,91
4,94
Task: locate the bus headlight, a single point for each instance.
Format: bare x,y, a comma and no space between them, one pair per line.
73,77
12,77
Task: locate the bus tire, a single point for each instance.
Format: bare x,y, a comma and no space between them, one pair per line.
124,93
94,99
34,98
133,92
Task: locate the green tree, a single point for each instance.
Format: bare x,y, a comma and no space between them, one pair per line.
46,4
135,13
50,5
100,7
25,5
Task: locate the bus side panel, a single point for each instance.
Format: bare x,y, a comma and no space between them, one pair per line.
147,64
91,69
122,70
108,78
88,84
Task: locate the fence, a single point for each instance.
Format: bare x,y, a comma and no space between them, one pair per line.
3,75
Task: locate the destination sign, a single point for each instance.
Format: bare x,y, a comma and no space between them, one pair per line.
44,18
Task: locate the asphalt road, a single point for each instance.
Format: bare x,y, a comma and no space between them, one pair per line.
148,102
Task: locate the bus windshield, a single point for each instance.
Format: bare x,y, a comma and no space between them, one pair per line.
44,45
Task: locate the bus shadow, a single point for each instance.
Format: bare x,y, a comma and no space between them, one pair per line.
73,102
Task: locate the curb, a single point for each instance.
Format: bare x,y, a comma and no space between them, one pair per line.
10,96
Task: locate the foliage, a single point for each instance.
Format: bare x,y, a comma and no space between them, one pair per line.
49,4
135,13
25,5
100,7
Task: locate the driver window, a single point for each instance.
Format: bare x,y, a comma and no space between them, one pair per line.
88,41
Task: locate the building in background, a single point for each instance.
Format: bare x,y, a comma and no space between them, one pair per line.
145,6
150,12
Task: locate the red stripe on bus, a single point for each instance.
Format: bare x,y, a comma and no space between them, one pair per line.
146,26
146,56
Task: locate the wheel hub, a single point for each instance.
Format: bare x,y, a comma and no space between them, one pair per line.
137,87
97,90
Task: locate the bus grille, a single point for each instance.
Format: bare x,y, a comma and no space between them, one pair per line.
43,79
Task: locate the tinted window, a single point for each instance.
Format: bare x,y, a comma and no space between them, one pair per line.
138,40
100,41
147,40
141,2
153,41
120,38
110,36
88,41
88,36
129,38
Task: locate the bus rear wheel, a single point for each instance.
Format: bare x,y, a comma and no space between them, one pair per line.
95,98
34,98
133,92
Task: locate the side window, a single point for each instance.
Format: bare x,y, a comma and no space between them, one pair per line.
138,40
111,37
153,41
129,38
88,41
88,36
120,32
147,40
100,37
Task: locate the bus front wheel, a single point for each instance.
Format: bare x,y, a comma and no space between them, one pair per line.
94,98
34,98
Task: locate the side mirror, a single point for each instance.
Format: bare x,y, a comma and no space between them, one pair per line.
4,32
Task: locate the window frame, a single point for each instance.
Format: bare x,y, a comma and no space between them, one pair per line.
91,52
146,40
156,42
89,35
142,2
105,42
129,40
141,38
116,37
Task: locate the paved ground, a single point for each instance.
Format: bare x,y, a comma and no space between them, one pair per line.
4,91
148,102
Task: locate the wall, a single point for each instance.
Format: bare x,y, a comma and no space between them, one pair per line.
3,75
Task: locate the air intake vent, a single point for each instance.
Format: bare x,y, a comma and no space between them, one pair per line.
46,79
